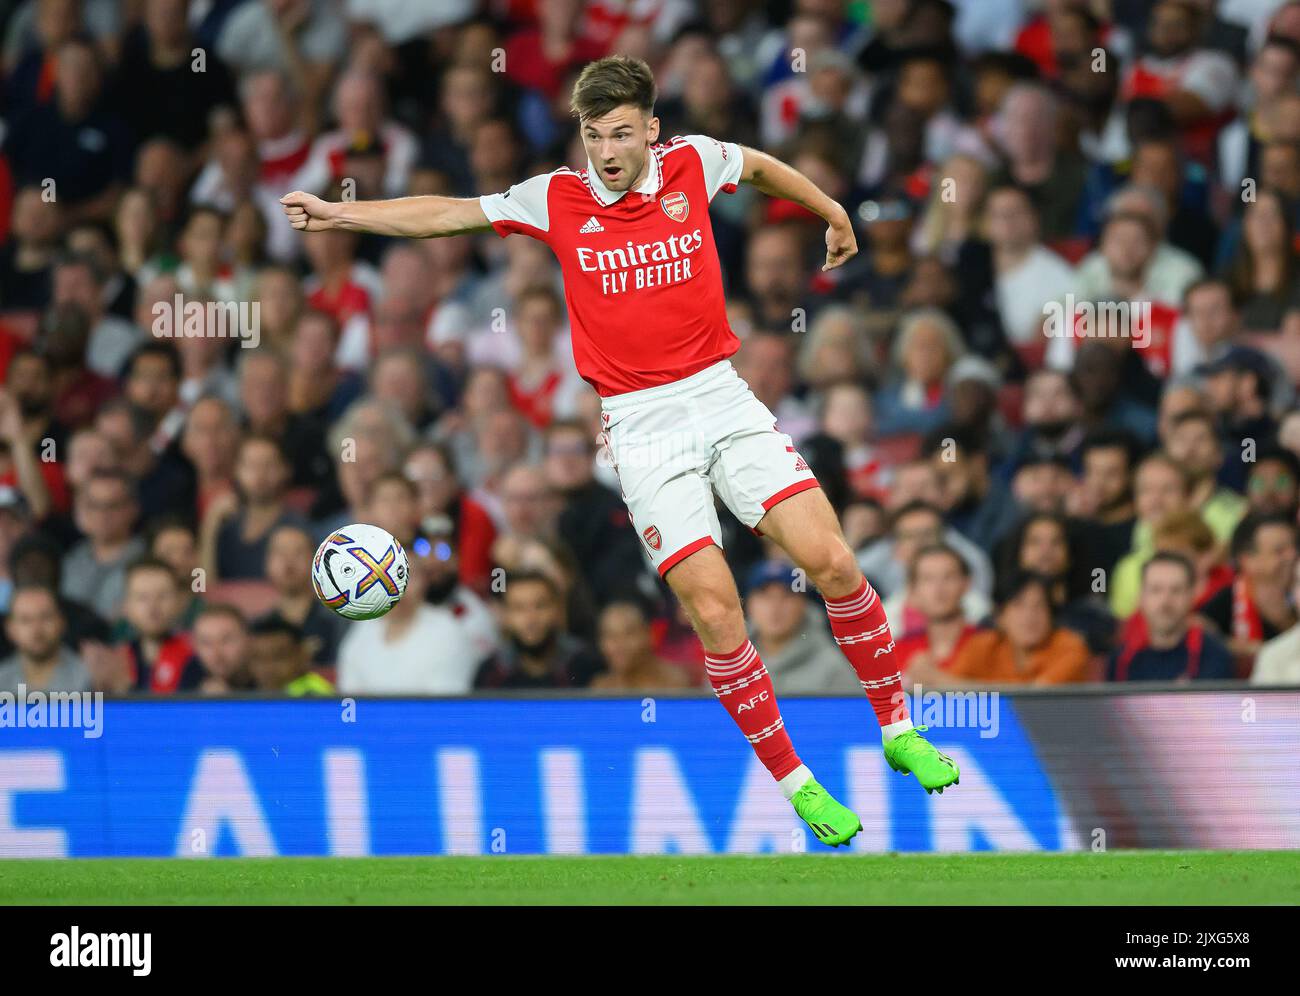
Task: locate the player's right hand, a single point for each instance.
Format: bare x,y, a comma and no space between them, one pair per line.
306,212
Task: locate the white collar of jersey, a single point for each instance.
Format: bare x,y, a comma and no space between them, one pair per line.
650,185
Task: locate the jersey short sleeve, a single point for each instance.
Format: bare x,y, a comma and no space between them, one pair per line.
523,208
723,163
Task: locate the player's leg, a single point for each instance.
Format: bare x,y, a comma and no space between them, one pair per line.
806,527
704,585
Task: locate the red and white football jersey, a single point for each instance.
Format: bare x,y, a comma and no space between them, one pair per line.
641,274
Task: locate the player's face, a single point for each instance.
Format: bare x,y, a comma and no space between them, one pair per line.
617,145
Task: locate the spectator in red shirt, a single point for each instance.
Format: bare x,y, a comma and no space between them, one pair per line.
937,582
541,382
158,656
543,57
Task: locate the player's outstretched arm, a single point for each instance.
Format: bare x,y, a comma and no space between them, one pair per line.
405,217
776,179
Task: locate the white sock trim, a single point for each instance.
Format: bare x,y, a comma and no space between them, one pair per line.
891,730
794,781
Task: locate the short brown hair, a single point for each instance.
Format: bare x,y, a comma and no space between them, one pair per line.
612,82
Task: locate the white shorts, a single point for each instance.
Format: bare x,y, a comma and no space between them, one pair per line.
675,445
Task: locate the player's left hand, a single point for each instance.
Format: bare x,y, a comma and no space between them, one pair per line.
841,244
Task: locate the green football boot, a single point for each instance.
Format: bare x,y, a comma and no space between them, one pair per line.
831,823
912,754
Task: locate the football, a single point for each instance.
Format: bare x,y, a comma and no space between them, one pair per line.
359,571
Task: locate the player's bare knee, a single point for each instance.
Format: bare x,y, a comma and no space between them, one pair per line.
717,617
835,570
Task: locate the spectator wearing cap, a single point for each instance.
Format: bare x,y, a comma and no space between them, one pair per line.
1238,385
973,386
1273,483
874,280
1026,647
1278,662
94,570
537,652
221,647
278,660
937,585
626,642
1163,641
790,634
1256,606
915,400
40,660
1194,444
288,548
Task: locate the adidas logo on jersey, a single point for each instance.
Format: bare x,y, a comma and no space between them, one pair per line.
592,225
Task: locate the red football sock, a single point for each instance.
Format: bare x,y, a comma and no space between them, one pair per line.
743,686
862,631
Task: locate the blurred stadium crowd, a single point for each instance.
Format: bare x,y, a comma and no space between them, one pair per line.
1113,497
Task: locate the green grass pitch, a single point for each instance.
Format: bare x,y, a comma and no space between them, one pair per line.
1119,878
